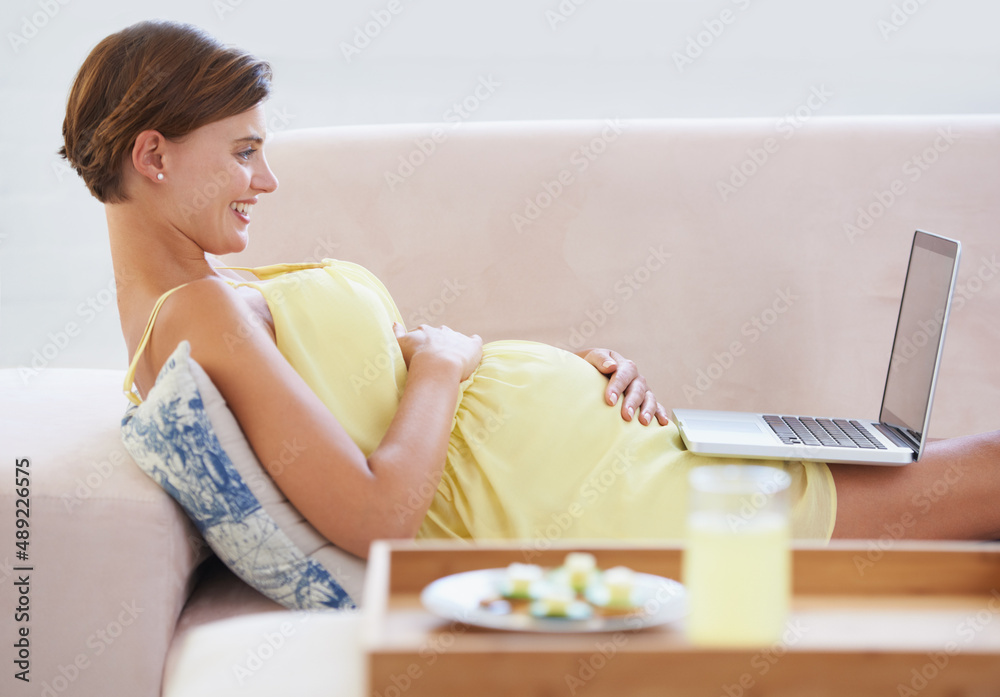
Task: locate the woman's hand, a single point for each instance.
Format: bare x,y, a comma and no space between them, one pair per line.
440,343
624,379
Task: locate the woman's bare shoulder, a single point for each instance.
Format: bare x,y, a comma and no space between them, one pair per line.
209,314
206,312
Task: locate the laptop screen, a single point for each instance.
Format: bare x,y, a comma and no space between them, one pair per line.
923,316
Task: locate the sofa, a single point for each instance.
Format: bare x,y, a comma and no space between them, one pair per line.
743,263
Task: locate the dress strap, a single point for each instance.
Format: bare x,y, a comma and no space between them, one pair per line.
265,273
132,395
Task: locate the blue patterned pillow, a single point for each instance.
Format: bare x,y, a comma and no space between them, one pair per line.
186,438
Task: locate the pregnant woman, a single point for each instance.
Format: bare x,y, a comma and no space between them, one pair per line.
400,432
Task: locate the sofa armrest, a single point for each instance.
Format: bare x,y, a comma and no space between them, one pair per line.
110,556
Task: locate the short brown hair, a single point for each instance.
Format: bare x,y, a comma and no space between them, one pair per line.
159,75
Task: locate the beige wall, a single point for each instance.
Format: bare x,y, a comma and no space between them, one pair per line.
541,58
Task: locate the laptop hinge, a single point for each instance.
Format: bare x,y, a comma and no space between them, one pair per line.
899,436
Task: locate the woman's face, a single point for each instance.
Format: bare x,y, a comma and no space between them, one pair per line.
215,175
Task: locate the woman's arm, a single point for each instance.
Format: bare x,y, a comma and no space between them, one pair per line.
349,498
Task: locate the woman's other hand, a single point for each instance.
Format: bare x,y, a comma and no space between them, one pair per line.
440,343
624,379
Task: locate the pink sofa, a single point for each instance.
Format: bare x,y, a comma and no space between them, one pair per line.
741,263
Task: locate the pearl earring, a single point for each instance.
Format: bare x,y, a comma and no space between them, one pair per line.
160,176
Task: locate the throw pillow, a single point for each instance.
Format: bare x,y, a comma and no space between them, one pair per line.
186,438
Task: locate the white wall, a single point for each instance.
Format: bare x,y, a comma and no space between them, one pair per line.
547,59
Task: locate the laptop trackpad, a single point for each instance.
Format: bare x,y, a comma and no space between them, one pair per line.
729,430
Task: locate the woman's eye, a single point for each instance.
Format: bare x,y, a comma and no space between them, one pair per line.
247,153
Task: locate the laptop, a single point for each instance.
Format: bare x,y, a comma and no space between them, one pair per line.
899,434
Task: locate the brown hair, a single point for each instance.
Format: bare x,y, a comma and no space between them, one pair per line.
158,75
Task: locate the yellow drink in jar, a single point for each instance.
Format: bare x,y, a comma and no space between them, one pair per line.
737,563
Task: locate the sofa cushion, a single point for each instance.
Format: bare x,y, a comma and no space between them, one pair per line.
259,655
186,438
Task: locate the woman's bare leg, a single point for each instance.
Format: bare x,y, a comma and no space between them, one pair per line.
953,492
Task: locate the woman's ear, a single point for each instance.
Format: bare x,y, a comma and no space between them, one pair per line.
147,155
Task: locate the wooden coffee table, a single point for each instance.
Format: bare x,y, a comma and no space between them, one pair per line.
883,617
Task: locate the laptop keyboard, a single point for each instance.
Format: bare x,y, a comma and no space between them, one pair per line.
806,430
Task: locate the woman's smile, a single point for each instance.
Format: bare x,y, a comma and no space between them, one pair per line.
242,209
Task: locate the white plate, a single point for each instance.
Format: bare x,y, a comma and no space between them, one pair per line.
459,598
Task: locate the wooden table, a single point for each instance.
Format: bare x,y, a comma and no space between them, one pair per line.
868,618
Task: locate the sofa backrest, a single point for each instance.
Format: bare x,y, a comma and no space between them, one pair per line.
743,263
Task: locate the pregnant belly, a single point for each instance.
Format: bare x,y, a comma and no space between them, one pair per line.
532,381
534,438
528,404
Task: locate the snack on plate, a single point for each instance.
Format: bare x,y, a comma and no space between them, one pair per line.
561,602
556,601
524,597
576,590
520,581
580,568
619,582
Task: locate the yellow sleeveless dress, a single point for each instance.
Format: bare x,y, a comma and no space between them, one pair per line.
535,452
